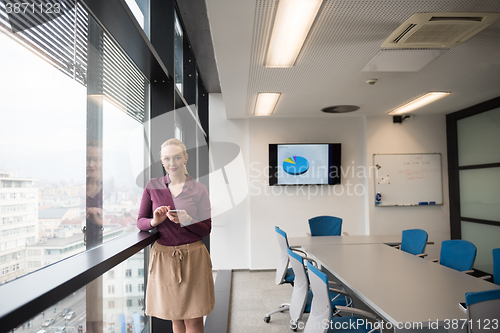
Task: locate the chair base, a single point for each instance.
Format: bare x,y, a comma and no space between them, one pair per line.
283,307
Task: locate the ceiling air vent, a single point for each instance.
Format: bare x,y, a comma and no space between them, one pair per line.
439,30
340,109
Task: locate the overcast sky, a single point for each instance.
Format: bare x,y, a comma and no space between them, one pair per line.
43,122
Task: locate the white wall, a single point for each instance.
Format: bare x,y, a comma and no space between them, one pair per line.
244,236
230,237
423,134
289,207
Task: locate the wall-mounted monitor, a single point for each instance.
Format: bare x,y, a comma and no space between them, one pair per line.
304,163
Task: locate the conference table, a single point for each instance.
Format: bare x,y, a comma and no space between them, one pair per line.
410,293
344,240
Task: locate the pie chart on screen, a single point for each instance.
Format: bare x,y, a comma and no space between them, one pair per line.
295,165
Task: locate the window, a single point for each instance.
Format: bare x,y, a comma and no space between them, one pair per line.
128,273
140,9
128,288
56,131
140,302
178,53
111,274
129,303
111,304
111,289
140,272
140,287
178,131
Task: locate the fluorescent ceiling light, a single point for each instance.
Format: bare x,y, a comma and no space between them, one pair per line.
293,20
419,102
266,102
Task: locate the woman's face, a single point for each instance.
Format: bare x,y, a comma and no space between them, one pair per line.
94,162
173,160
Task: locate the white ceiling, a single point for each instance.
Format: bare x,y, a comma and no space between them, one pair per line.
345,36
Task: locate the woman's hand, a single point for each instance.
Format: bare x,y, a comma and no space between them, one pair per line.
179,217
159,215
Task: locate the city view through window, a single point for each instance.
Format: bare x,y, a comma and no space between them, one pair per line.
44,170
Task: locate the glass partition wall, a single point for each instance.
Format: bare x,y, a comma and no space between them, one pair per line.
79,139
474,163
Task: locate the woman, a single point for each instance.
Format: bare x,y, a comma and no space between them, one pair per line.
180,283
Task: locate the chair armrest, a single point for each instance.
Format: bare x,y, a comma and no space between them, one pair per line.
486,277
315,264
298,250
355,311
468,272
341,292
334,283
421,255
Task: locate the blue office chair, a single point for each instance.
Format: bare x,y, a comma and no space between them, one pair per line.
483,308
325,226
284,274
302,295
321,310
458,254
413,241
496,266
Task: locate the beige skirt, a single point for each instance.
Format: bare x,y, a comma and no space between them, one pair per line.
180,282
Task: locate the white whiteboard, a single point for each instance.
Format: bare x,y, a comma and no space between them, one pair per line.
408,179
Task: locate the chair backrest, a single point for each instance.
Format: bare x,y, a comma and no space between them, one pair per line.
482,308
496,266
413,241
458,254
300,286
325,226
283,258
321,308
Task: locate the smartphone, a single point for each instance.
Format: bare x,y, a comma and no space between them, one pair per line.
463,306
173,211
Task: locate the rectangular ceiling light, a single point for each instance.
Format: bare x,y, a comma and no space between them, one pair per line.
293,20
419,102
266,102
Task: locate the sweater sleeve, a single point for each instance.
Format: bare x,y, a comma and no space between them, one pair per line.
145,211
201,225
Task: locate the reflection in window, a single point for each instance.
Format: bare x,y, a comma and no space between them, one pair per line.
178,53
122,163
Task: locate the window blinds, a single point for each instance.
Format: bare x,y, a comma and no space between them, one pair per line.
61,39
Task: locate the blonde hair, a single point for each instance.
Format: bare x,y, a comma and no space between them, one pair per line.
178,143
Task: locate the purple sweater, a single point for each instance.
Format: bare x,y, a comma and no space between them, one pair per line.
193,199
